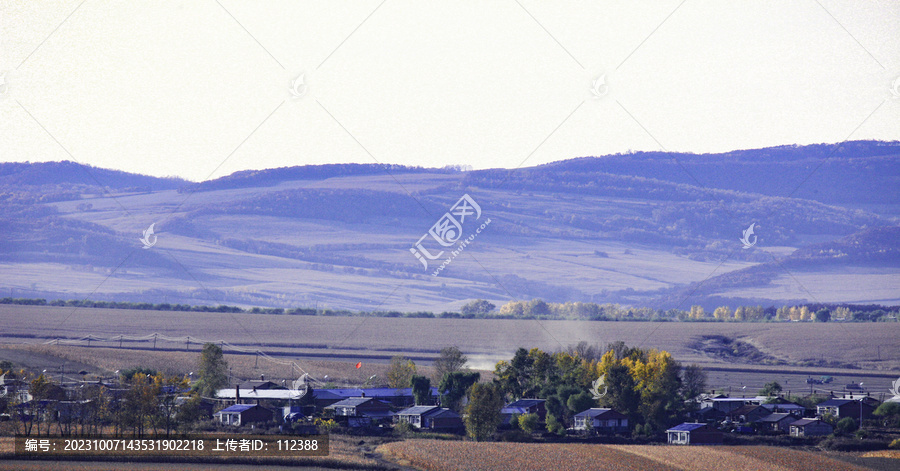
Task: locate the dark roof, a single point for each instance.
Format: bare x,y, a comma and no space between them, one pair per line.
803,422
354,402
255,383
686,427
745,409
526,403
368,392
785,406
597,412
836,402
417,410
444,412
238,408
776,417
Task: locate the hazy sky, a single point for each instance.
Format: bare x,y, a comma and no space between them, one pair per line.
201,88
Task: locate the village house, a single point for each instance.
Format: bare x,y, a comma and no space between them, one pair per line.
728,404
401,397
794,409
841,408
747,413
694,434
431,418
360,411
775,423
244,414
810,428
522,407
601,420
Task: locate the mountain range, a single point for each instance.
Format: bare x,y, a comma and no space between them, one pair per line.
655,229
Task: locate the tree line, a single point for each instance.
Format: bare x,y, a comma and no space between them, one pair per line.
537,309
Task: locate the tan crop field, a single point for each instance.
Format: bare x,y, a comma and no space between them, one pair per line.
432,455
342,341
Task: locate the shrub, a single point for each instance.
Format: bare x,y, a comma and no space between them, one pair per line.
851,444
402,428
845,426
554,425
528,422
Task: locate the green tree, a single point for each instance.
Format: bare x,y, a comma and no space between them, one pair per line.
581,402
212,370
554,425
454,387
483,411
770,389
621,394
400,372
451,360
889,413
823,315
421,389
478,306
845,426
528,422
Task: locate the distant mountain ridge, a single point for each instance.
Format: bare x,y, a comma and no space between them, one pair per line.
868,171
628,228
73,173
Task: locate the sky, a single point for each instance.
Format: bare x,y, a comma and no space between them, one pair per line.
201,89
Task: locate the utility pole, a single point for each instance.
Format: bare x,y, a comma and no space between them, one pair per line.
154,341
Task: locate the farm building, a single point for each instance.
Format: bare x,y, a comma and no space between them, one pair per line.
708,414
522,407
244,414
601,420
728,404
747,413
397,397
360,411
841,408
694,434
794,409
775,423
431,418
810,428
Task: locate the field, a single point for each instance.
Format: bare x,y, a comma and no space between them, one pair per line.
329,345
434,455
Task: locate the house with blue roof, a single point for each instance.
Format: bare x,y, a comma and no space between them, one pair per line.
601,420
522,407
244,414
694,434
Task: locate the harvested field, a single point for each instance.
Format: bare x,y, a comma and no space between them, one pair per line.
311,340
737,457
106,360
434,455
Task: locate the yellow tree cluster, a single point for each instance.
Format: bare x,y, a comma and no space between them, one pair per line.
794,313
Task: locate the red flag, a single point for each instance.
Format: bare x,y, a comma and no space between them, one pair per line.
359,365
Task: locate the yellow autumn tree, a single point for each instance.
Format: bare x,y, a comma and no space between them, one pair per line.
722,313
